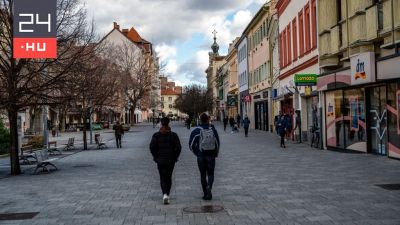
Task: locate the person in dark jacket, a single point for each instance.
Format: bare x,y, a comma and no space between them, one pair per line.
119,131
246,124
282,130
238,120
232,122
205,158
165,147
225,122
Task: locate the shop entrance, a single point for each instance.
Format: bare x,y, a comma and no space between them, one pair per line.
260,115
377,120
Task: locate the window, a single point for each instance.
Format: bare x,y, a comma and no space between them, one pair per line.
284,49
280,50
289,44
301,33
307,27
170,106
294,34
314,23
170,99
162,99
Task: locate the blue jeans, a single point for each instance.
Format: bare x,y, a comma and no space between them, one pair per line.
206,167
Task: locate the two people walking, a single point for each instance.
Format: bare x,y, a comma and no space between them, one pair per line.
165,147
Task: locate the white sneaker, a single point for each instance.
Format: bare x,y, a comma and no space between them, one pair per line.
165,199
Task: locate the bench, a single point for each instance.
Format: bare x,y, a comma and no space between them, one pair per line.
26,156
70,144
100,143
54,149
43,161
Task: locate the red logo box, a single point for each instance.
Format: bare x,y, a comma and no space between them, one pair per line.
35,48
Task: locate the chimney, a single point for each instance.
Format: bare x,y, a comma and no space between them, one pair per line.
116,26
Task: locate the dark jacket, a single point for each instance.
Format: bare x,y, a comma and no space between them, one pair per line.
225,121
281,126
246,123
119,129
194,141
165,146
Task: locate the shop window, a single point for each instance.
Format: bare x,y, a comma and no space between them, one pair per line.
334,119
355,120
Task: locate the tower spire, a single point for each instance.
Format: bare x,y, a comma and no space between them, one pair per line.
215,46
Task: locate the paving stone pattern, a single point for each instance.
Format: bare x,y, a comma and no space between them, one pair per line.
256,182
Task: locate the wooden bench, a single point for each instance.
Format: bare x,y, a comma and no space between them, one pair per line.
54,149
43,161
70,144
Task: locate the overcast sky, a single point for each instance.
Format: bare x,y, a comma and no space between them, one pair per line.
181,30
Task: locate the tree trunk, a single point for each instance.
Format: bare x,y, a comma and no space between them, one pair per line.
14,157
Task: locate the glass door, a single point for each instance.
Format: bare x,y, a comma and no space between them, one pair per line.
377,120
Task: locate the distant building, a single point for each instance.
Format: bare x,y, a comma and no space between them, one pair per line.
169,94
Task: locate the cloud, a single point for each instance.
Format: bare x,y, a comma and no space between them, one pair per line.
167,23
165,52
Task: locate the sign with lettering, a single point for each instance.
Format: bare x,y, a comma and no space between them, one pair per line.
305,79
231,100
34,27
363,68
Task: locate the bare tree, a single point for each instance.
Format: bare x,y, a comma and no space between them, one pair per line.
138,71
94,85
28,82
194,100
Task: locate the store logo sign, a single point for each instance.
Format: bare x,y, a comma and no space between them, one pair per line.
34,27
363,68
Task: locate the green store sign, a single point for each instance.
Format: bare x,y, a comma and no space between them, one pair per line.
305,79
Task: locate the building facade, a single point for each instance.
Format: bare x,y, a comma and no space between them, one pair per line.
232,86
258,66
169,93
298,56
360,80
243,77
215,63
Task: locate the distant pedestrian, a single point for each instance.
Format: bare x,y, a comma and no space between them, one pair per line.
238,120
188,122
246,124
165,147
119,131
225,122
204,143
231,122
282,130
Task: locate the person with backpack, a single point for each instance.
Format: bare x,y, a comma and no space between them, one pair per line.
246,124
165,147
204,143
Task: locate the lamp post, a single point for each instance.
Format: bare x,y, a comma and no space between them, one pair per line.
90,122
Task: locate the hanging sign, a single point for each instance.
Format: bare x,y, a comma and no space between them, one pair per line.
305,79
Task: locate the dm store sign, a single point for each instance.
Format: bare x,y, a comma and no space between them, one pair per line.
363,68
35,29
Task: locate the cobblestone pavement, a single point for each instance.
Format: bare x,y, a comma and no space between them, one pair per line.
256,182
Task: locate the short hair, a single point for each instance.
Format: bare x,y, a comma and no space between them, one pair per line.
165,121
204,118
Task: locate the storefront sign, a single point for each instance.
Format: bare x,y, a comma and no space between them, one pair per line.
34,25
231,100
247,98
257,97
363,68
305,79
